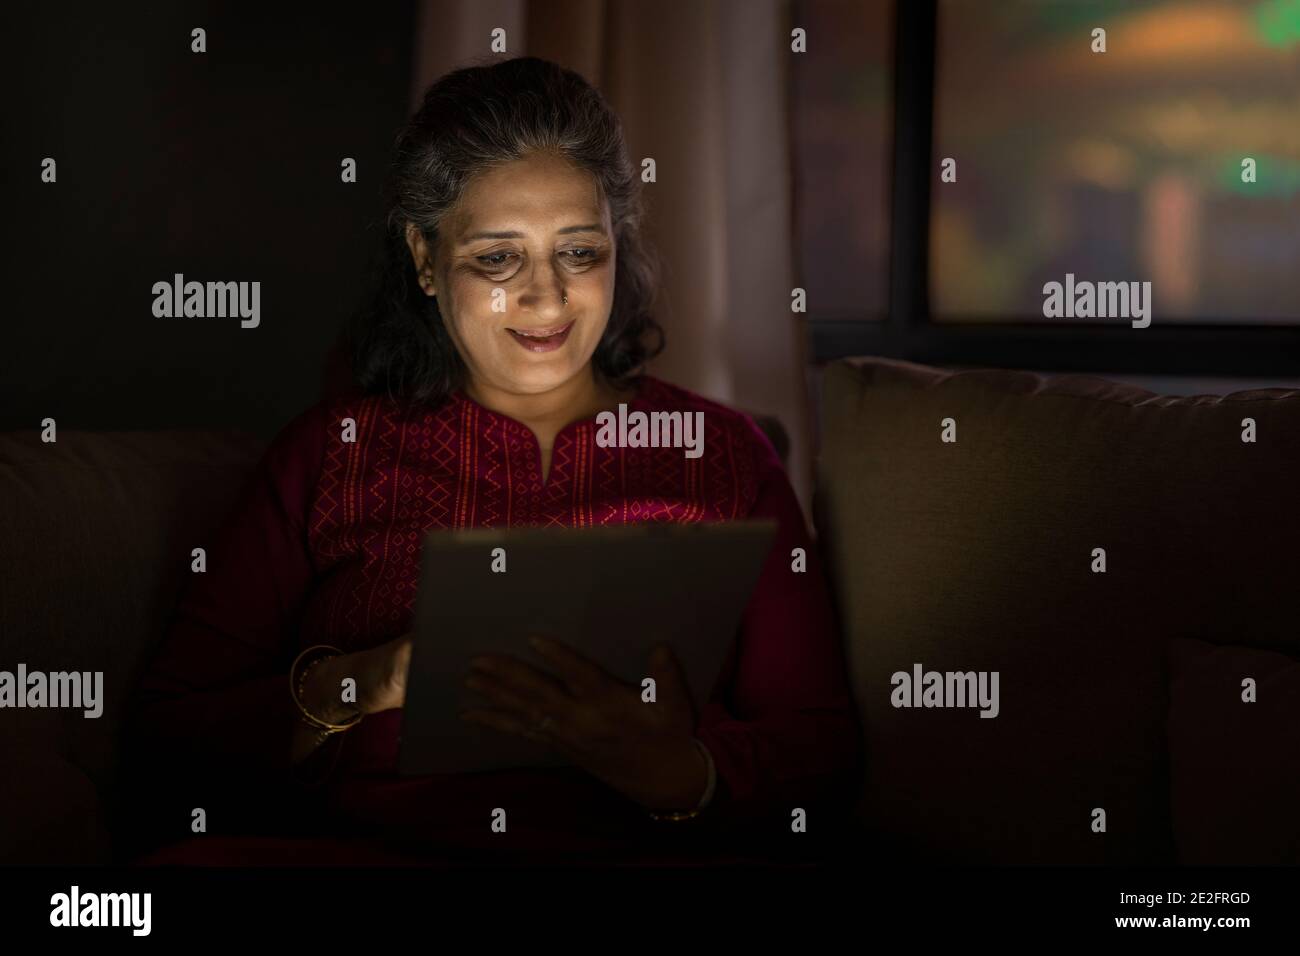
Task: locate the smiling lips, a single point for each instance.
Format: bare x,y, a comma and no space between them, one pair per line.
541,340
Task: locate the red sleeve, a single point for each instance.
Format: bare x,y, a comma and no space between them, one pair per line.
783,730
215,699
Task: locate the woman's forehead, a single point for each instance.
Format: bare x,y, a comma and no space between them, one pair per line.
548,194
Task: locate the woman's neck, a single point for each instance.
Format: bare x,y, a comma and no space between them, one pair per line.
545,413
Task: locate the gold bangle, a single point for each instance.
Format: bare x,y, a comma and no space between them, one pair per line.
297,680
708,790
675,815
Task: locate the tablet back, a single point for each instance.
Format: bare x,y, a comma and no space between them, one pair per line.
610,593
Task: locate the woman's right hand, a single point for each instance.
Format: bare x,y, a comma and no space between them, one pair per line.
381,675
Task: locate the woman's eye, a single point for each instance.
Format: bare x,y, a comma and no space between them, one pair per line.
494,258
580,255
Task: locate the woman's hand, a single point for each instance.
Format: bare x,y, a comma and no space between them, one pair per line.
380,673
382,682
644,750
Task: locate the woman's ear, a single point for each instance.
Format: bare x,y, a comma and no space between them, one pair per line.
422,257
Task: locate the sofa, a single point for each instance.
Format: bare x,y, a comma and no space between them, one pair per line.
1119,690
1120,684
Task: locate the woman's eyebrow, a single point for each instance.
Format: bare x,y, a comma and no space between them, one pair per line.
594,227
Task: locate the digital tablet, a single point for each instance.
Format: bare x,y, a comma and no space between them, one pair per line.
610,593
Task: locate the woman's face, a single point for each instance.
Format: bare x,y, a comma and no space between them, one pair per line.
525,237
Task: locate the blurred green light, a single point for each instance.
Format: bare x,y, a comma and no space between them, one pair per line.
1276,177
1278,22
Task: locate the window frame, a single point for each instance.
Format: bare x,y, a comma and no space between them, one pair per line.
908,331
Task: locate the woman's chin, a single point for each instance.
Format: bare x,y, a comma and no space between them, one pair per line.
541,374
536,372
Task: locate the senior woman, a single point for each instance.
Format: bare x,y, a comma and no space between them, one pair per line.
513,306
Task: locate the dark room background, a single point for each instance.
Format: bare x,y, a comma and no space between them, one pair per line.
817,171
222,167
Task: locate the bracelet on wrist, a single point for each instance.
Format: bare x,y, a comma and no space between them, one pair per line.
675,814
302,665
704,801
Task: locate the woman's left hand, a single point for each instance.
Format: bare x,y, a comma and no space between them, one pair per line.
644,750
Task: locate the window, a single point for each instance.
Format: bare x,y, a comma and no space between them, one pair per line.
842,121
1117,166
1120,166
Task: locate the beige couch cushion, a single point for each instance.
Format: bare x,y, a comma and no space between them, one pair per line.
976,555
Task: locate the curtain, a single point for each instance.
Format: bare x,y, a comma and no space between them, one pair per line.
702,88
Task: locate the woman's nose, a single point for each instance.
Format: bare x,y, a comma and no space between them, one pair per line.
544,294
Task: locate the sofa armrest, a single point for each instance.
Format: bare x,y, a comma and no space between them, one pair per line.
50,812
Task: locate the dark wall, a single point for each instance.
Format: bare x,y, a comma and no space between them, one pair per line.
223,166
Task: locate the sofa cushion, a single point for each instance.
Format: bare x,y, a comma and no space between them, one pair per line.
1234,764
97,529
977,555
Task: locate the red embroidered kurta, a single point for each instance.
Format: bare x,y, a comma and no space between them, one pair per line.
324,549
